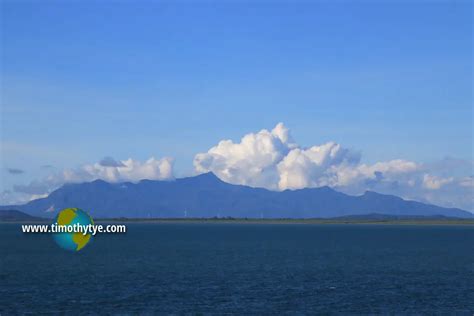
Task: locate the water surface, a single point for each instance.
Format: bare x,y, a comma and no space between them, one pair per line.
243,269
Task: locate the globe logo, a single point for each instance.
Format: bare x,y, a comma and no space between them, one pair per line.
69,240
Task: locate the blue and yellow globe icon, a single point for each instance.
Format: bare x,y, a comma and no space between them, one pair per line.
72,241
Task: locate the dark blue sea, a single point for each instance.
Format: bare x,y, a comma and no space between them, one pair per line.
242,269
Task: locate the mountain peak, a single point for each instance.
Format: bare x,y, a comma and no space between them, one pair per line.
208,175
203,178
99,181
205,195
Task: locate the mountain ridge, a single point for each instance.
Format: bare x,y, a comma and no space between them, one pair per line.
17,216
206,195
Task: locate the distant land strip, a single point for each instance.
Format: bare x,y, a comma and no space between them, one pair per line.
13,216
417,221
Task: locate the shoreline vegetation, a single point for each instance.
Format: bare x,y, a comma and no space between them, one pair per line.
230,220
13,216
264,221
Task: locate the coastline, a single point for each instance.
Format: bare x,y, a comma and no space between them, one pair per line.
253,221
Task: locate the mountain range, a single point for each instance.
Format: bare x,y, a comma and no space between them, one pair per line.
17,216
206,195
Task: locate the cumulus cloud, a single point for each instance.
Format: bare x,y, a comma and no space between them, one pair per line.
272,160
252,162
107,169
434,183
302,168
125,170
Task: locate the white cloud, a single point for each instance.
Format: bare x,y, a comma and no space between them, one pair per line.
119,171
434,183
467,182
252,161
125,170
361,174
314,166
271,159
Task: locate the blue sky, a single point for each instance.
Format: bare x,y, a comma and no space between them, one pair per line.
84,80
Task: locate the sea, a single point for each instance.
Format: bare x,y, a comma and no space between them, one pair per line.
242,269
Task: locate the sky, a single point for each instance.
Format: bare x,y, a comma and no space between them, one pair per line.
95,89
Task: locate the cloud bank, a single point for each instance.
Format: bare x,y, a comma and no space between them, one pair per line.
272,160
107,169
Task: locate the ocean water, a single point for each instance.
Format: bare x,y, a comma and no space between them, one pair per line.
242,269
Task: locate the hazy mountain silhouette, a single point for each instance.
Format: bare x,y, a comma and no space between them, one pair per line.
207,196
14,216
